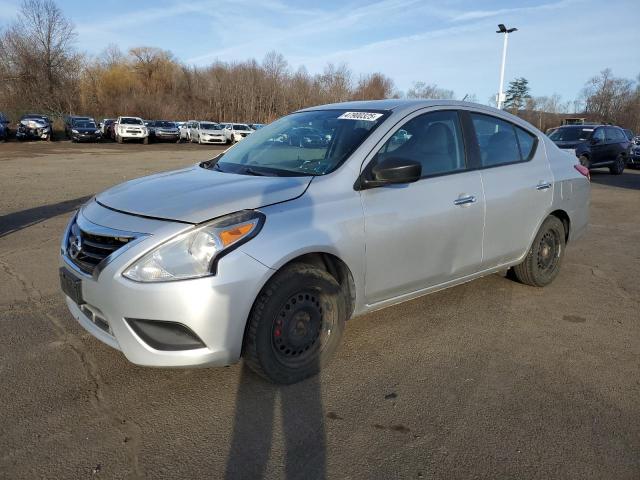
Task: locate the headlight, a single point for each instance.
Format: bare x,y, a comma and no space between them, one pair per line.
98,132
194,254
75,131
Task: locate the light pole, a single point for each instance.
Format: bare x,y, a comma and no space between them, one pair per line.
506,31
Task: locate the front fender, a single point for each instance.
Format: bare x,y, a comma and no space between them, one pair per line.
333,225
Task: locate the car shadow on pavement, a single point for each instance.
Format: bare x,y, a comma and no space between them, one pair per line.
16,221
628,179
302,418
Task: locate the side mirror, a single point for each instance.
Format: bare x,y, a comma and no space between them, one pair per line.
391,171
595,141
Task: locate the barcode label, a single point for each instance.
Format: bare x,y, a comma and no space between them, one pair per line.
367,116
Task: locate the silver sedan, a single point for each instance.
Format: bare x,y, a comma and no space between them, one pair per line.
266,250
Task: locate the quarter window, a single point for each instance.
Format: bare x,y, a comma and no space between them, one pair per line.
526,142
501,142
432,139
615,135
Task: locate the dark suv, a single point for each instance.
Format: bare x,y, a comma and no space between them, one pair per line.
595,145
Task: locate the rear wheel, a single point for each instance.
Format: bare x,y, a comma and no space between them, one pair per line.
584,160
542,263
618,166
295,324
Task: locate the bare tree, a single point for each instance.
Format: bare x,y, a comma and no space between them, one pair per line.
37,55
423,90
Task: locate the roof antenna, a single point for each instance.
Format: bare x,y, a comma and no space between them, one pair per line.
465,97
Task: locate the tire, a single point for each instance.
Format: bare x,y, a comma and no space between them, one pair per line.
118,138
145,141
618,167
281,351
584,160
542,263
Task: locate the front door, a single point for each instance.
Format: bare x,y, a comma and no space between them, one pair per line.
428,232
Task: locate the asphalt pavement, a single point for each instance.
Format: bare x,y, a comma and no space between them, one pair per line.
491,379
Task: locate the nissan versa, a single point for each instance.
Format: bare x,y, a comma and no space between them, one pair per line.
267,249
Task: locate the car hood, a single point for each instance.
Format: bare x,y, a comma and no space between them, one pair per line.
564,144
85,130
196,194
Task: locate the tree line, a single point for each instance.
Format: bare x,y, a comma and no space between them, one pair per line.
41,71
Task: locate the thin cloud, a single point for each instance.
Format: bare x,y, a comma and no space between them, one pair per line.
480,14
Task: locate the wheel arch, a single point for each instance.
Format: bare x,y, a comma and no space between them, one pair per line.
563,216
333,265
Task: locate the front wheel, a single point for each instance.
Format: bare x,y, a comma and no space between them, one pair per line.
618,166
295,324
145,141
542,263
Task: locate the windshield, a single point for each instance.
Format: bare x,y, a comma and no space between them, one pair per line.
240,127
305,143
571,134
130,121
210,126
84,124
164,124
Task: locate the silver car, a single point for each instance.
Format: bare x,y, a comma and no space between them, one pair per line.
267,249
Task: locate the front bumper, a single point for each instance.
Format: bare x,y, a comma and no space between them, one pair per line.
86,137
215,308
127,135
167,136
216,140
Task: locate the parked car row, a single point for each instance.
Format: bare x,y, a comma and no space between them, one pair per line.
210,132
125,128
599,145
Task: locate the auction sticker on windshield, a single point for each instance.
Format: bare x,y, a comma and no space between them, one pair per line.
368,116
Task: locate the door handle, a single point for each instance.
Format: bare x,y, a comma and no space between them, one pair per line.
543,186
464,200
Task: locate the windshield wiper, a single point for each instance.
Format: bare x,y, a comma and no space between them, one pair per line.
251,171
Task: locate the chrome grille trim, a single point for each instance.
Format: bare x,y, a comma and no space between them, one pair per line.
105,245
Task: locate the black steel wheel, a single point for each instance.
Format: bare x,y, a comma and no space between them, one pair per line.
295,324
543,260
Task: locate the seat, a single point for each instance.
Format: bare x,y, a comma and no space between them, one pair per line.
501,148
434,148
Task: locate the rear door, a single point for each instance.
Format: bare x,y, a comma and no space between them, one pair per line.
429,232
518,187
598,146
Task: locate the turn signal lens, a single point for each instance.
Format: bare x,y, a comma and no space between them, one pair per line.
232,235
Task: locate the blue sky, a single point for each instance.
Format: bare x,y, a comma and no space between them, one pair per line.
559,45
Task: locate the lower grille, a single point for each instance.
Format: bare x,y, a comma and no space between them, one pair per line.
86,250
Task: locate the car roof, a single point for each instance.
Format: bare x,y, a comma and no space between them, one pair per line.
405,105
587,125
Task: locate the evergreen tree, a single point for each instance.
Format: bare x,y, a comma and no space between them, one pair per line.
517,94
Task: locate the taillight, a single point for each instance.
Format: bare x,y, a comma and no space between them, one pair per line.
583,170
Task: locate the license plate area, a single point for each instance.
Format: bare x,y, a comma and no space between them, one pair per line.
71,286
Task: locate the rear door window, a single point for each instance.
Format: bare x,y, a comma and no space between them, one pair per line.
501,142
